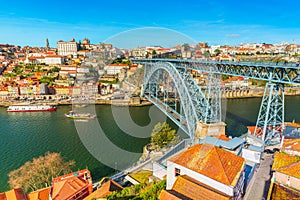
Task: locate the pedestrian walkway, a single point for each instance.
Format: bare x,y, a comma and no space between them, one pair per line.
260,183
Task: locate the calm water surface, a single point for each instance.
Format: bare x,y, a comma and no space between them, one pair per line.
24,136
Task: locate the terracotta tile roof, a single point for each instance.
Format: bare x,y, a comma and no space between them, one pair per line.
2,196
42,194
293,124
223,137
67,188
14,194
117,65
171,195
283,160
105,190
282,192
251,129
186,187
291,170
211,161
291,144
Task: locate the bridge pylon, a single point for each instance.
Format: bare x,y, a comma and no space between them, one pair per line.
270,121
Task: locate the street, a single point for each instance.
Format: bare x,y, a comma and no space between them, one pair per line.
259,185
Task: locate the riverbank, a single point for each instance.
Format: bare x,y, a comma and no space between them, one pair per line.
138,102
97,102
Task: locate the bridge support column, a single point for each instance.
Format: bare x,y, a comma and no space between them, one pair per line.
212,129
270,121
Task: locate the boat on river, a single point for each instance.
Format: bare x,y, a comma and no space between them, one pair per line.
80,105
73,115
31,108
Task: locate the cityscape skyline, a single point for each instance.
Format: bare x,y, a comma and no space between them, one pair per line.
215,22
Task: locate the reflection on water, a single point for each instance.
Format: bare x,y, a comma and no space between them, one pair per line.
24,136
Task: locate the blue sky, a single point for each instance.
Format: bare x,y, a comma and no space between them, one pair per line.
216,22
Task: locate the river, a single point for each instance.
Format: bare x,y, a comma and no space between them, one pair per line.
24,136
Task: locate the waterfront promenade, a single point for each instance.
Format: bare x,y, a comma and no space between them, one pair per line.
98,99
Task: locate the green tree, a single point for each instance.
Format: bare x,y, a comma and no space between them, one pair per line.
153,52
217,52
206,54
162,135
38,173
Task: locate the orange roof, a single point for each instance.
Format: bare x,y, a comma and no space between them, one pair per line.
283,160
251,129
279,191
105,190
2,196
67,188
186,187
53,56
294,124
223,137
115,65
291,170
169,195
211,161
14,194
68,185
291,144
42,194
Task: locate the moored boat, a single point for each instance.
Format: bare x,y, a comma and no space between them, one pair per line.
31,108
73,115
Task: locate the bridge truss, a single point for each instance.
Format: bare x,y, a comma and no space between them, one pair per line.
270,122
174,91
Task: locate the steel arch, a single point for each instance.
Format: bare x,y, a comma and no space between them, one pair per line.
192,100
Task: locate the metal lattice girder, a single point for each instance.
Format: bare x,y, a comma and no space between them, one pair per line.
270,120
214,96
285,74
192,100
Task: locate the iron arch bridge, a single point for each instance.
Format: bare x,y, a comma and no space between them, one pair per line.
165,83
192,104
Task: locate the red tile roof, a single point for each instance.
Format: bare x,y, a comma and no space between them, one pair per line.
69,185
14,194
291,170
213,162
291,144
169,195
105,190
281,192
116,65
67,188
42,194
186,187
283,160
223,137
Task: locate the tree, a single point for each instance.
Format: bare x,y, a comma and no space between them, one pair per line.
206,54
153,52
38,173
217,52
162,135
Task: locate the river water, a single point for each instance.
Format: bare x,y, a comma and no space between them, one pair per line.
24,136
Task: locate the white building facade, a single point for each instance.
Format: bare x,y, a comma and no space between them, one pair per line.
67,48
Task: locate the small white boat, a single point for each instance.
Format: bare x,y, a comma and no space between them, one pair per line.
73,115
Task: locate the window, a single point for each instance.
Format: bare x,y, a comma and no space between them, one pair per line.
177,172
